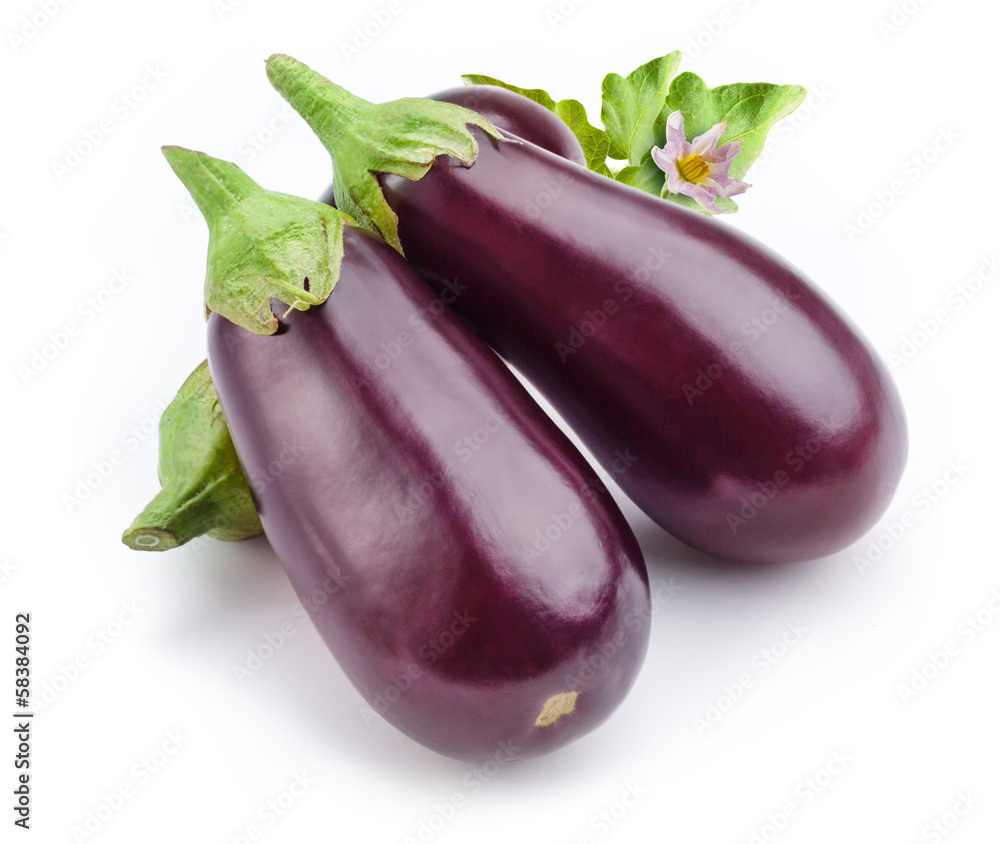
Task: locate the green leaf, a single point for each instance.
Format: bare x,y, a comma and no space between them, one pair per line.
204,488
633,105
689,95
534,94
751,108
645,176
593,140
364,139
262,245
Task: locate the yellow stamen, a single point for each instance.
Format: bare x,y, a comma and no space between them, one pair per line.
693,168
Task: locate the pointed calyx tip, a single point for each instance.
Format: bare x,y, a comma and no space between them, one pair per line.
215,185
280,64
175,155
402,137
180,156
264,245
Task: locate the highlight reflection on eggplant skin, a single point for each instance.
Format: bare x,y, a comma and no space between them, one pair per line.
729,399
444,532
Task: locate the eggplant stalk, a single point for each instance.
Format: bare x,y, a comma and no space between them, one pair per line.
403,137
204,489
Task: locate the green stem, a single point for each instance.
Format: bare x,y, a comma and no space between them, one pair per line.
177,514
204,488
329,110
262,245
216,186
402,137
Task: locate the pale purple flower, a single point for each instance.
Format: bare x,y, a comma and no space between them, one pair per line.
696,168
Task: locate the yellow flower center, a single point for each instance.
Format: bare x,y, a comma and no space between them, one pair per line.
693,168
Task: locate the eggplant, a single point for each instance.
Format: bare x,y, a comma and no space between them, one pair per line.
474,581
726,395
517,115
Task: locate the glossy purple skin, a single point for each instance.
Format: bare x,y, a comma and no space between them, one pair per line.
458,562
729,399
519,116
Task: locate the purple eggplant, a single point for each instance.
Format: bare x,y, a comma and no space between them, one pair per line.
474,581
518,116
726,395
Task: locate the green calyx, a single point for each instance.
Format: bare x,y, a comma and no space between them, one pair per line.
262,245
402,137
204,489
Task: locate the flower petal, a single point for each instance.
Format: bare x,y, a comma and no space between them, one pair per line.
718,173
678,184
663,159
734,188
675,184
725,186
724,154
707,141
705,197
675,128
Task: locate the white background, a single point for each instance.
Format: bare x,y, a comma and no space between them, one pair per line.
166,668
